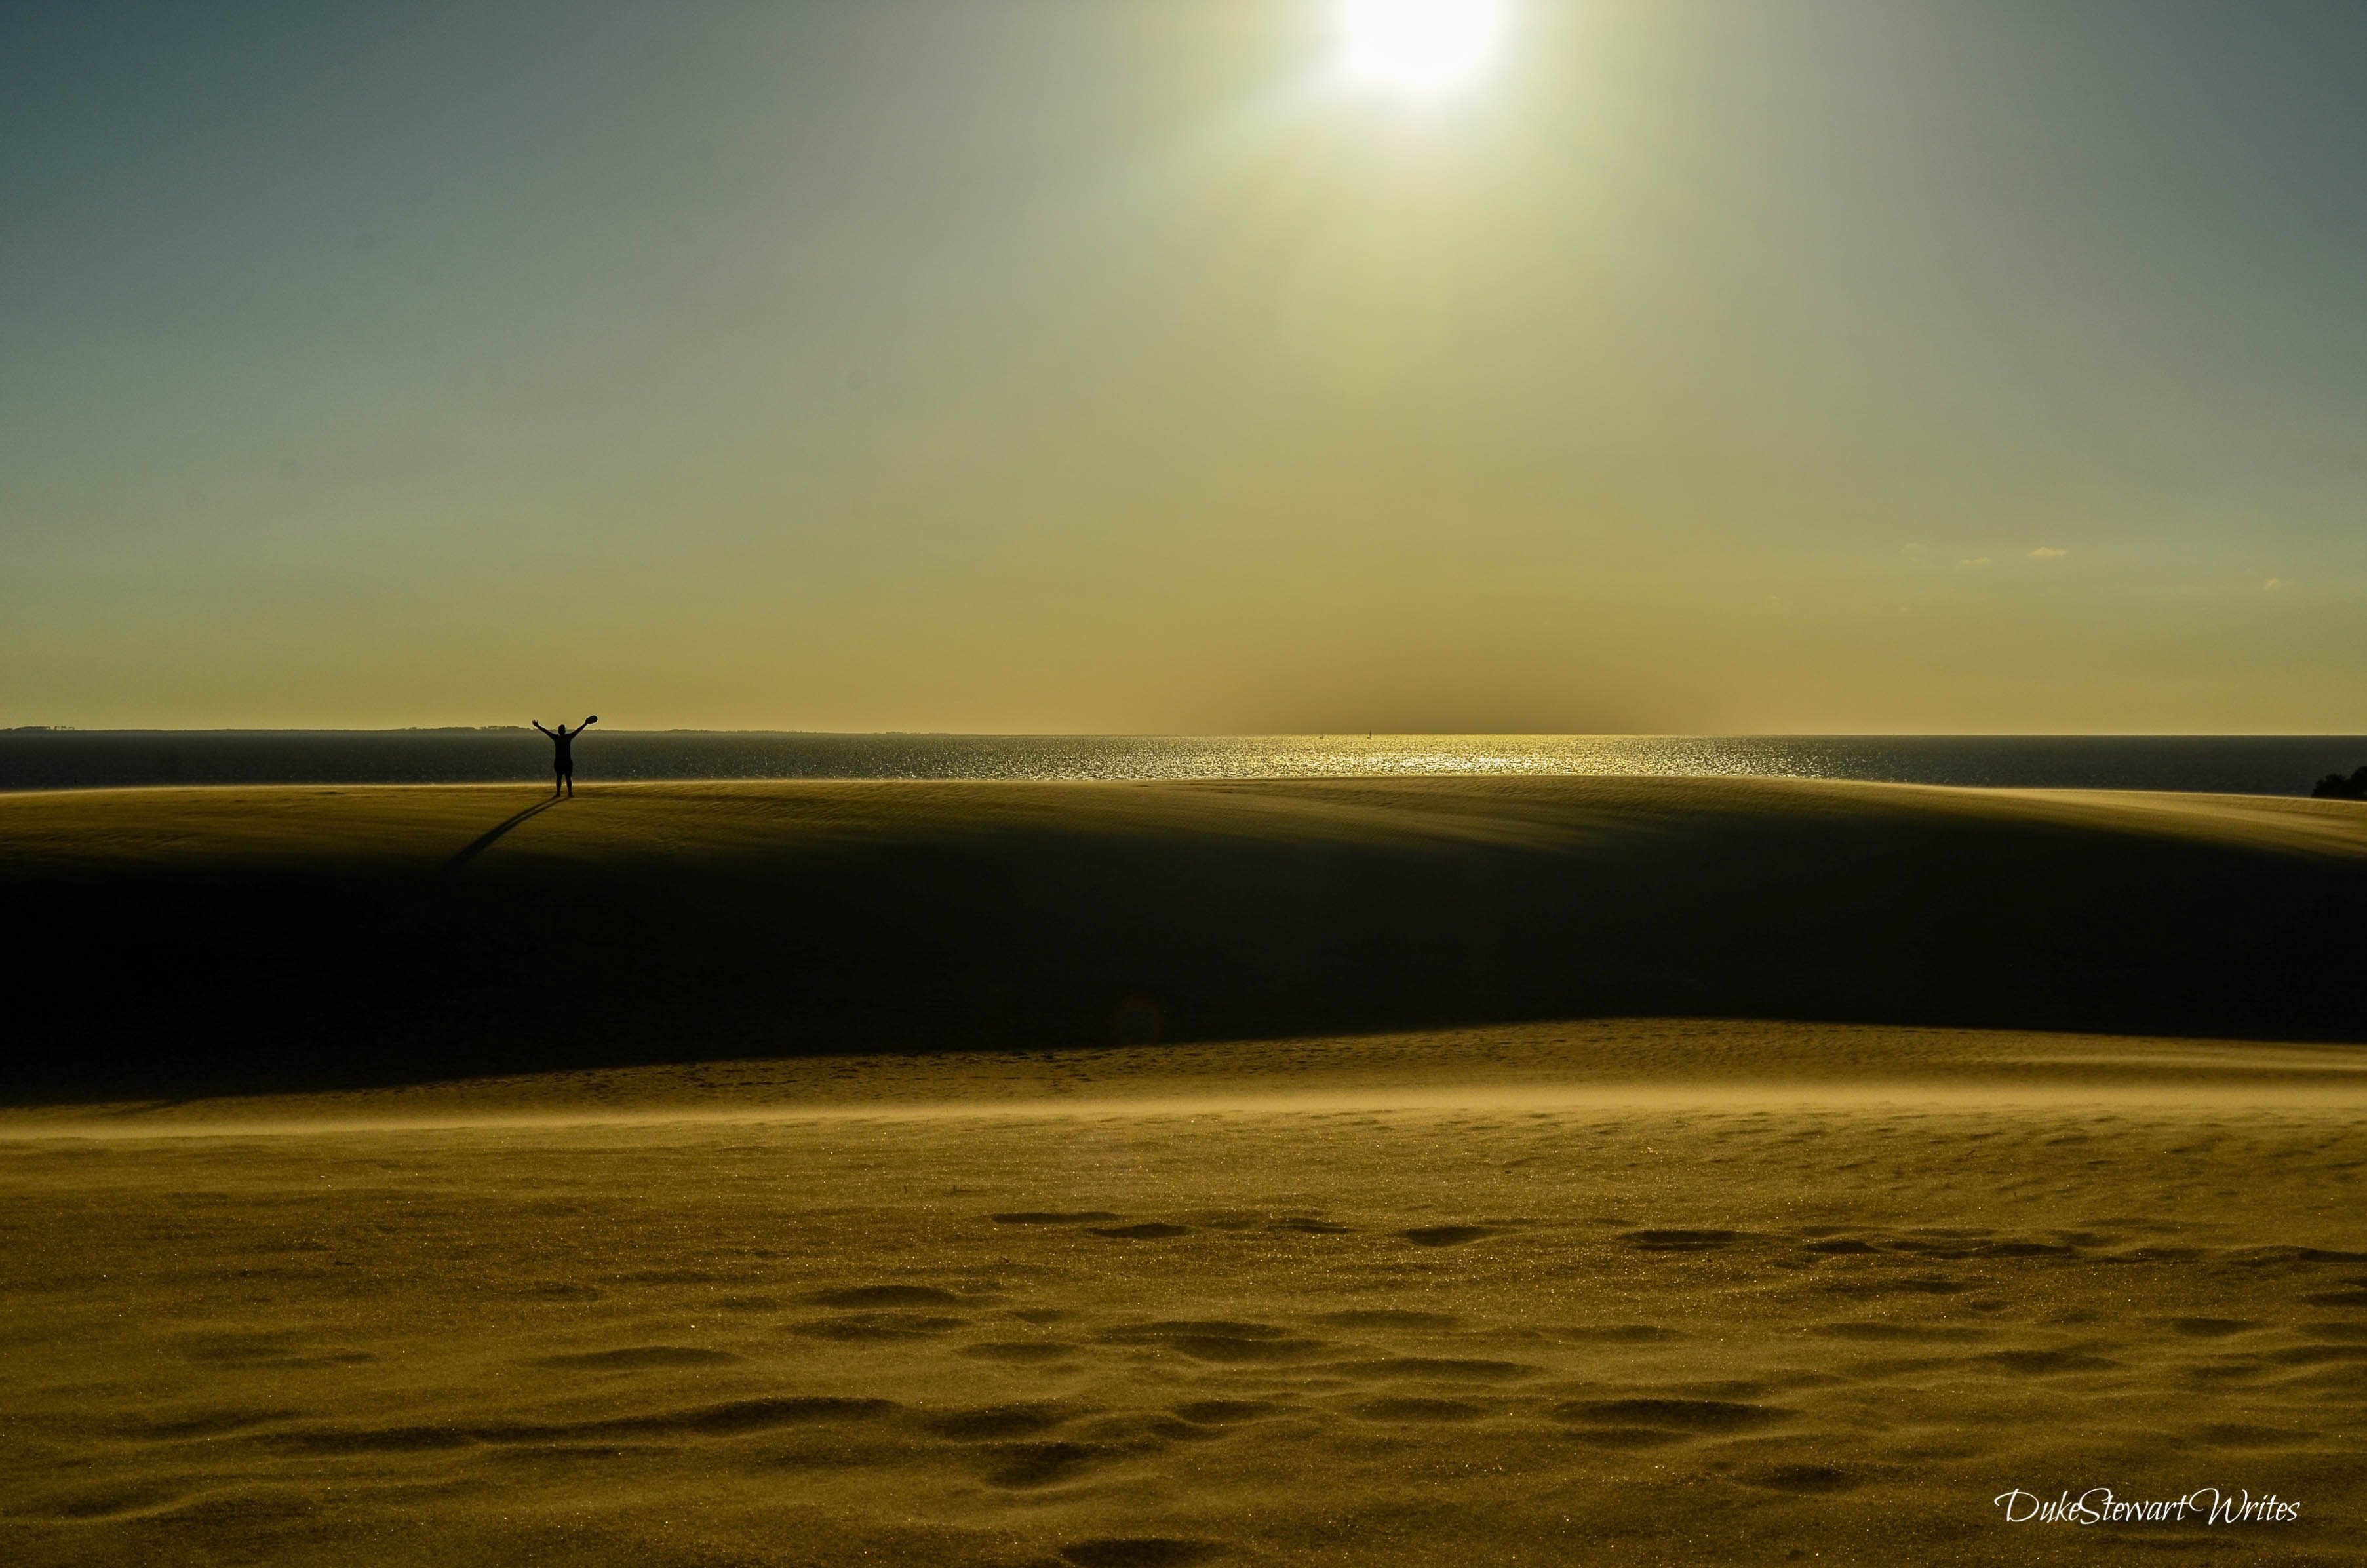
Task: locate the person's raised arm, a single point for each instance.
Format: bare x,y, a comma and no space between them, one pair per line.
538,724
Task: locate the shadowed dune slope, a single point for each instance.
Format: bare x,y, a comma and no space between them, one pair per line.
187,939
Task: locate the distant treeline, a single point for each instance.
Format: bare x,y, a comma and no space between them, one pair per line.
2335,787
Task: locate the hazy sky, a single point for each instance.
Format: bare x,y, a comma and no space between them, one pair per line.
1116,365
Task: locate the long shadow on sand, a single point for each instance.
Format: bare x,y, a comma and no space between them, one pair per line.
491,836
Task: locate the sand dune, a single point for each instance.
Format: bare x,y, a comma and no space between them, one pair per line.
606,1230
202,939
1803,1290
1626,1064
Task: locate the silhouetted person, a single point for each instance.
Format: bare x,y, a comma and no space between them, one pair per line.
563,746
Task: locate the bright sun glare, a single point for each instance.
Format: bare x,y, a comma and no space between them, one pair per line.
1420,45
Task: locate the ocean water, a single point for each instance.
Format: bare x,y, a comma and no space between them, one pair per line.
2250,764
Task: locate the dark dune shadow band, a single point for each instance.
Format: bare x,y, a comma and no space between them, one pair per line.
177,940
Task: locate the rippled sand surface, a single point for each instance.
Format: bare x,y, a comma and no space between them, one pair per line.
1612,1293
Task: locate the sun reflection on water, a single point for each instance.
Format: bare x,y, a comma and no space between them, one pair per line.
2240,765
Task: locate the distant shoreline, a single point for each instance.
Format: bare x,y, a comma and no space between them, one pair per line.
2244,765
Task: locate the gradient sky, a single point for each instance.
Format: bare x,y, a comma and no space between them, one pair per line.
1113,365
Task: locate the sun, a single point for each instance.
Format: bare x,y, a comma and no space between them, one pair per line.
1420,45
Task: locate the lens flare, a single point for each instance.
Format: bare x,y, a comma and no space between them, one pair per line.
1420,45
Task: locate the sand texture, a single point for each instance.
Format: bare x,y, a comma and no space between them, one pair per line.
740,1174
1616,1293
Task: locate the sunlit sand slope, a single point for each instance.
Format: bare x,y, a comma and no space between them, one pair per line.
179,938
1625,1293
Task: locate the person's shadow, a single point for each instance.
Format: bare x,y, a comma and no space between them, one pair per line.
487,839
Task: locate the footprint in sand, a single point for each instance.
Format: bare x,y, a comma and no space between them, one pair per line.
730,1419
2242,1437
1439,1368
1618,1334
1913,1284
1420,1411
879,1325
877,1296
1802,1477
1629,1436
2044,1362
1139,1551
634,1358
1053,1217
1679,1415
2353,1297
990,1423
1683,1240
1389,1317
208,1423
2316,1355
2211,1328
1223,1411
1025,1466
1023,1352
107,1503
1220,1340
265,1349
